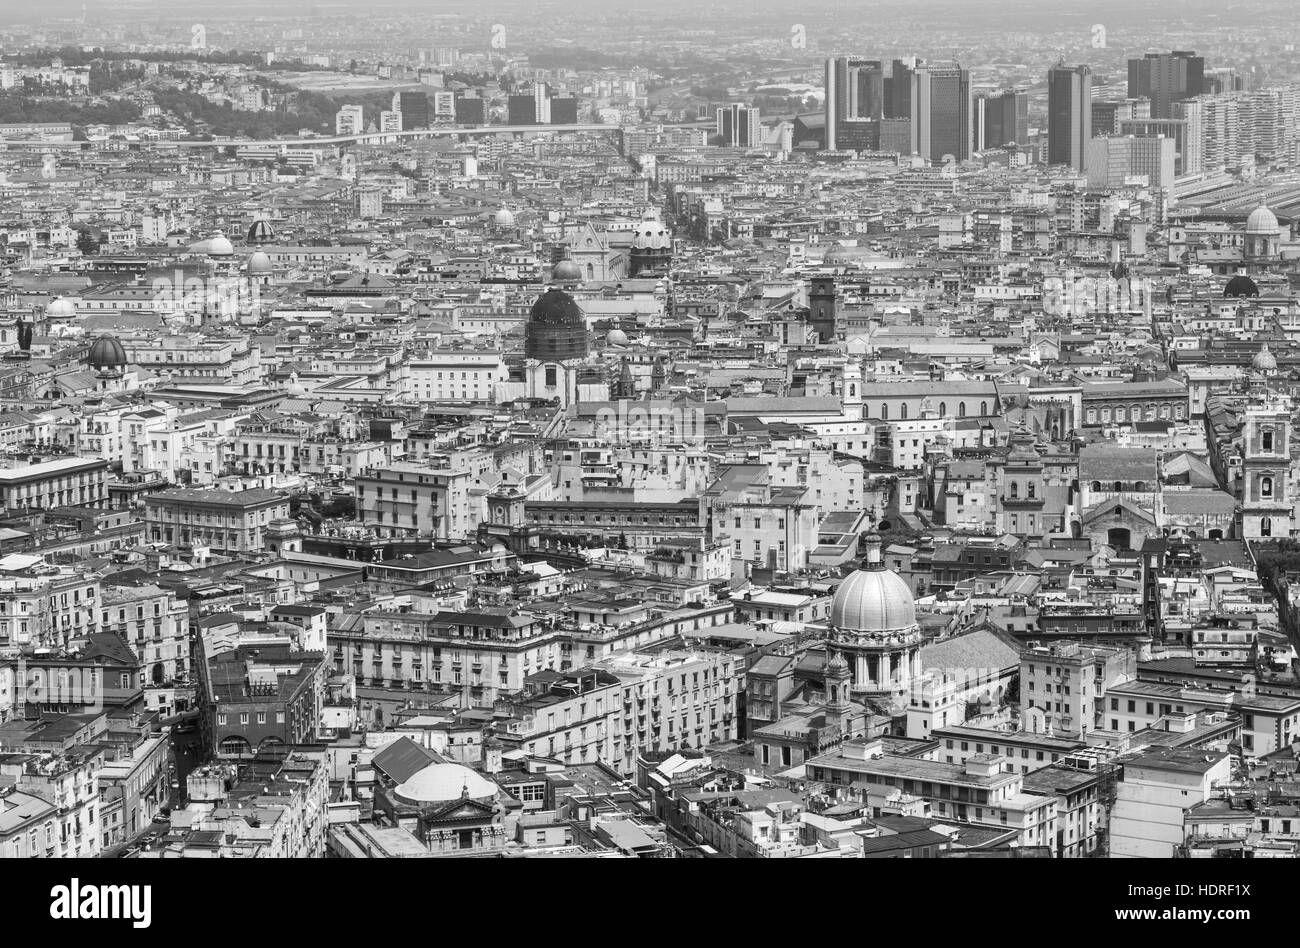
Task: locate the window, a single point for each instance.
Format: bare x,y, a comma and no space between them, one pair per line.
1266,439
1266,486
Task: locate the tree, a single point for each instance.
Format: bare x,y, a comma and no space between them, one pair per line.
87,243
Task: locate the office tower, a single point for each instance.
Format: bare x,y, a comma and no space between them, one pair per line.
1106,116
541,103
471,111
1114,160
738,126
1069,115
941,112
349,120
896,135
564,110
1000,120
414,107
854,96
1166,78
1184,130
521,110
444,105
898,91
1220,118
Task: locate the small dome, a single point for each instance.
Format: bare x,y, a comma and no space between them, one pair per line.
616,337
106,353
1261,221
1264,360
220,246
1240,287
566,271
61,308
259,262
504,218
441,783
873,601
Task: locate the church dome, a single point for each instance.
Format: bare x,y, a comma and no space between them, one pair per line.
652,234
1261,221
260,232
442,783
566,271
616,337
873,600
61,308
1239,287
1264,360
220,246
556,328
504,218
106,353
259,262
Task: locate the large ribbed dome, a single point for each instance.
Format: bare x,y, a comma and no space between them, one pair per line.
106,353
652,234
556,329
1261,221
441,783
874,601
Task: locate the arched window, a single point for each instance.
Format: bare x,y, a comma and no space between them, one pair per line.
1140,486
1135,412
884,411
984,408
235,747
1266,526
961,409
1121,413
902,412
1096,486
1029,490
1266,439
943,409
1266,486
1015,490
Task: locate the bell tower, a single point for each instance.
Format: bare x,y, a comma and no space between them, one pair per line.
1266,464
821,307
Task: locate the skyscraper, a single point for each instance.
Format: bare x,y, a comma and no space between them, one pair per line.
1166,78
941,112
898,91
414,107
1000,120
738,126
1069,115
541,103
855,90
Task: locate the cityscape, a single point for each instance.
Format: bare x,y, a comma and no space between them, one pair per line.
442,430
